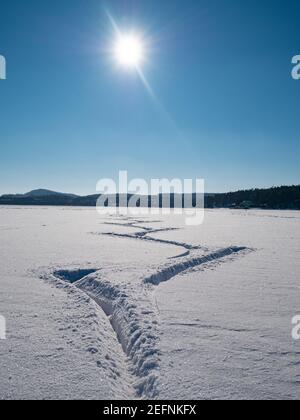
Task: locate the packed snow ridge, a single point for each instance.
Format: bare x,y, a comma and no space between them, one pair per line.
171,271
129,302
133,318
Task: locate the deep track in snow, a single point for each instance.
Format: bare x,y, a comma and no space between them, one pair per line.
131,311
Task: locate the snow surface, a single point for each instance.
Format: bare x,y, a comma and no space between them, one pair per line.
107,307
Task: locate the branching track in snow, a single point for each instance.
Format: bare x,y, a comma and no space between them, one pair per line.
144,235
168,273
130,304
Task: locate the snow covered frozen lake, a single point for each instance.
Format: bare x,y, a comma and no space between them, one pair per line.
107,307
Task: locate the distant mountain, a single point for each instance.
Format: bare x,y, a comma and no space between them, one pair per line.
40,197
285,197
46,193
40,193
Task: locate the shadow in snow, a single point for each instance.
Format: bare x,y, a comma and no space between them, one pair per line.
71,276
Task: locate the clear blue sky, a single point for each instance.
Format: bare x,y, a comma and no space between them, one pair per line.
221,70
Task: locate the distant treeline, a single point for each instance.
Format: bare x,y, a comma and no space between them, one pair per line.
272,198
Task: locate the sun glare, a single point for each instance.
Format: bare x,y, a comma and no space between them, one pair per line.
129,51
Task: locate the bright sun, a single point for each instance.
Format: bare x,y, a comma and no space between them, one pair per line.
129,51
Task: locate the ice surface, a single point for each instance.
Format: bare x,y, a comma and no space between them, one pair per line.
104,307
